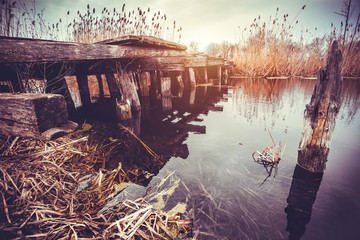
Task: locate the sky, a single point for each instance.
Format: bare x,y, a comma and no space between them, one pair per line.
207,21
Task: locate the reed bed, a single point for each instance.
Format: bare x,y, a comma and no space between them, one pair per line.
23,19
55,189
278,46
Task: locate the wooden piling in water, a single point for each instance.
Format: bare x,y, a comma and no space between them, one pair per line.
166,93
320,114
219,75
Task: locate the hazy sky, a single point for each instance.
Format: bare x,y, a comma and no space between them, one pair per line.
206,21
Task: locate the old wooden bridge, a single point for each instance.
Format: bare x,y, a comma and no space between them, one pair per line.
129,68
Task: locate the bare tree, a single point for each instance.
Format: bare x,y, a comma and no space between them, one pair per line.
213,49
194,47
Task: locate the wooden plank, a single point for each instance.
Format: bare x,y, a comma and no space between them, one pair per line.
144,41
168,64
320,114
16,50
30,115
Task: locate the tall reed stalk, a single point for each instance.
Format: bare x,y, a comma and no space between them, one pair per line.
273,48
19,18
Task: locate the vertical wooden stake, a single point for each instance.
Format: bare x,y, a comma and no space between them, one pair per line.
166,93
320,114
206,79
128,87
113,87
82,81
101,87
192,78
219,75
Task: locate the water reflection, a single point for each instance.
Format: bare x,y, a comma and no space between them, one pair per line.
206,127
166,131
302,195
286,94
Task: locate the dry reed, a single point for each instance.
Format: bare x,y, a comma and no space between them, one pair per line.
274,47
55,189
22,19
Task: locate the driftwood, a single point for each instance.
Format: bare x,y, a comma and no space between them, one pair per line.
41,116
320,114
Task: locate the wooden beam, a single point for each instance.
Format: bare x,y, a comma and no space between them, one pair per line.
41,116
168,64
17,50
143,41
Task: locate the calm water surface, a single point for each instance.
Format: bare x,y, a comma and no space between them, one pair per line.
212,139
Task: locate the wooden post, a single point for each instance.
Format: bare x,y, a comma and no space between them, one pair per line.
84,90
113,87
219,75
59,86
320,114
206,79
154,90
145,83
127,84
192,78
225,76
166,93
101,87
177,84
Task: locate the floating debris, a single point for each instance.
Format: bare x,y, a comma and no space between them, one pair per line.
269,157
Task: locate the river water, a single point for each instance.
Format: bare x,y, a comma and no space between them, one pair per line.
210,135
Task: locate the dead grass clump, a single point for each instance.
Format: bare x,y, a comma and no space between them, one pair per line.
278,47
55,189
22,19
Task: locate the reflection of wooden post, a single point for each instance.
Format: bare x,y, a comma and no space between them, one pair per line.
302,196
319,116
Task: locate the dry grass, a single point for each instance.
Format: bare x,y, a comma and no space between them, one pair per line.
54,190
276,47
22,19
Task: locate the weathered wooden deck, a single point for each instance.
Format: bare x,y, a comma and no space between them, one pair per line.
135,68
